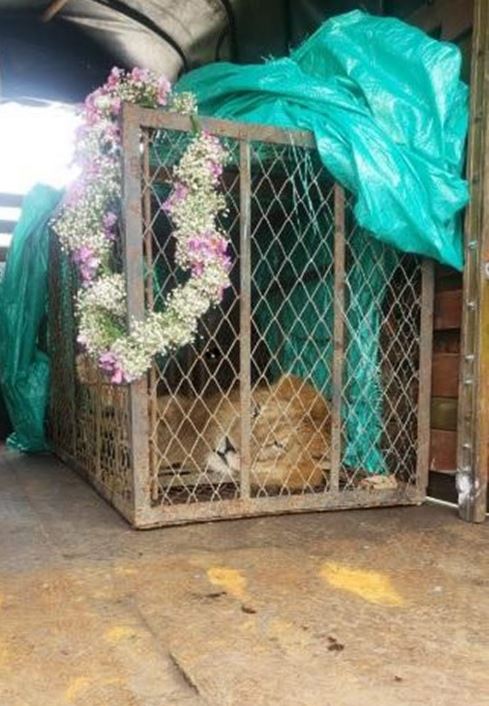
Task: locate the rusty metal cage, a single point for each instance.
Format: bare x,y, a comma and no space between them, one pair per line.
263,412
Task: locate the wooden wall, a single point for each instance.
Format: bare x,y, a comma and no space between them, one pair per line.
450,20
444,391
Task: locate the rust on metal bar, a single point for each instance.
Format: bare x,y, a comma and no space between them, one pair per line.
424,385
98,424
278,505
338,334
132,221
245,315
148,256
473,409
161,119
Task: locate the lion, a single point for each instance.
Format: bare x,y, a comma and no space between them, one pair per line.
200,436
290,435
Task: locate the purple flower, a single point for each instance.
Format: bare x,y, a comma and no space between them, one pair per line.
140,75
92,112
116,105
74,193
215,169
114,77
180,192
112,367
163,89
87,263
109,221
226,263
197,269
206,248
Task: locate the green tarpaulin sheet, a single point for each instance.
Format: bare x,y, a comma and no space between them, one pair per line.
24,364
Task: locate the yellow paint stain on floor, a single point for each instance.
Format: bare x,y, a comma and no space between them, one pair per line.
372,586
118,633
76,686
79,686
125,571
230,580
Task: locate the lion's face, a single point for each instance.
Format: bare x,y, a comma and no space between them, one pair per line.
290,435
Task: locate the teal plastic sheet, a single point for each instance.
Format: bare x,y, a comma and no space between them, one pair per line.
24,365
389,114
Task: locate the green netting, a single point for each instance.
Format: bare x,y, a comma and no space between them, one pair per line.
389,114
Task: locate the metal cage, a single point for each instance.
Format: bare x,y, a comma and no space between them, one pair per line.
263,412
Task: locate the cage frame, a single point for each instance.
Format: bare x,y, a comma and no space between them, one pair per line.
139,510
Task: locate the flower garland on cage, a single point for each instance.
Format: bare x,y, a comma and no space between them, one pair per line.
87,229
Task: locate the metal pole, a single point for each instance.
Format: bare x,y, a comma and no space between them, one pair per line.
473,403
338,334
245,315
132,229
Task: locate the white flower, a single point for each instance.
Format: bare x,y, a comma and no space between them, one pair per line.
101,305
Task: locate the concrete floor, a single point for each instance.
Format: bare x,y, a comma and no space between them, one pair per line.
385,607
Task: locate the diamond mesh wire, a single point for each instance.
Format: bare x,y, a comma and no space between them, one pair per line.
197,398
88,416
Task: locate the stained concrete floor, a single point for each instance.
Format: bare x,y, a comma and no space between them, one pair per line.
385,607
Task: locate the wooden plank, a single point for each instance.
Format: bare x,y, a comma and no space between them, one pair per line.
473,409
446,341
444,413
443,452
442,271
447,278
445,375
448,310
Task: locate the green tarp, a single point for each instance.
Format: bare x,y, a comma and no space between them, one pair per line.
24,364
389,114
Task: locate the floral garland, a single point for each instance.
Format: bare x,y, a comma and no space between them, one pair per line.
87,229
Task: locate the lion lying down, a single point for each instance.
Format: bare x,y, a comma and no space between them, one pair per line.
290,435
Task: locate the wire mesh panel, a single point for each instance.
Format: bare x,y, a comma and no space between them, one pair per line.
306,389
88,416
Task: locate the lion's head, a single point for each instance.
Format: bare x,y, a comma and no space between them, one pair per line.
290,435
